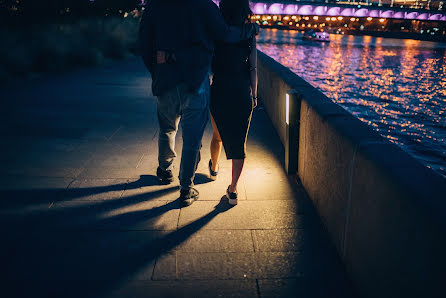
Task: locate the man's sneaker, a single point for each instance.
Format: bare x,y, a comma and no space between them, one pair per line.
232,197
212,174
187,197
165,176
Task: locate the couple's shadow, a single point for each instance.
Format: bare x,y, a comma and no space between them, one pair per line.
21,197
107,247
144,216
151,180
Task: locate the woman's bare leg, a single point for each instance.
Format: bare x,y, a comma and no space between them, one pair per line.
237,167
216,145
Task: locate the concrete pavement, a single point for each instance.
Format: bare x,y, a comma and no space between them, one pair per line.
82,213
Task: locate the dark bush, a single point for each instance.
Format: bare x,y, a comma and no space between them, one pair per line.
59,47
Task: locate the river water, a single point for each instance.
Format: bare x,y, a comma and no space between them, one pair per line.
397,86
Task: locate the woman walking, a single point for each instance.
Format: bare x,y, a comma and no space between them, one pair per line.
233,95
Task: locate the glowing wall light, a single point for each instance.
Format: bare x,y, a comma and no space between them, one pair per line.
275,8
259,8
334,11
305,10
423,16
320,10
374,13
290,9
386,14
361,12
292,131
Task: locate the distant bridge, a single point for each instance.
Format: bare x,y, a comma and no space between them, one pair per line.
345,10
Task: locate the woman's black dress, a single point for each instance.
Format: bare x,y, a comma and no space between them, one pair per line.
231,102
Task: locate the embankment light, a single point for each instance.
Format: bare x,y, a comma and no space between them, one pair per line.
333,19
352,19
316,18
327,19
286,18
290,23
287,104
369,18
340,18
294,17
382,20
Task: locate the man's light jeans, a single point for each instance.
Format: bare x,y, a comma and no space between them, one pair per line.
193,110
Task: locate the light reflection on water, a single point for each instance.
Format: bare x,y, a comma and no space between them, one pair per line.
396,86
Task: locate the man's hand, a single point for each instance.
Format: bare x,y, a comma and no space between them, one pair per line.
256,28
249,30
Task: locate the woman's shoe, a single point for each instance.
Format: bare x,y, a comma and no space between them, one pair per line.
232,197
212,174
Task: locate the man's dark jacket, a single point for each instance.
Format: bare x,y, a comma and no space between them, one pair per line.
187,29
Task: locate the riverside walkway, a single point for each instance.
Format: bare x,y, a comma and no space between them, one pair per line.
82,214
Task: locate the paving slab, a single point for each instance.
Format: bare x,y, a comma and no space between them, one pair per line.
186,289
223,241
280,214
87,255
136,214
211,266
97,189
269,184
304,287
305,240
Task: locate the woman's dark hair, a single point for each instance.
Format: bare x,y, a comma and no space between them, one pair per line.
235,12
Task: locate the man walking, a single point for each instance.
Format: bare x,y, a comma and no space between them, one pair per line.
177,43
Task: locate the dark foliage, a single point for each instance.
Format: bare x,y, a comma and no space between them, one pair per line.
47,11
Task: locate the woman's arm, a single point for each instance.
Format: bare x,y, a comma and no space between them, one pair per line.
253,71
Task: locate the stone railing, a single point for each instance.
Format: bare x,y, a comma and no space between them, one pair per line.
384,210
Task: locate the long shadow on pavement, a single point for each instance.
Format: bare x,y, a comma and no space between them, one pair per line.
74,251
